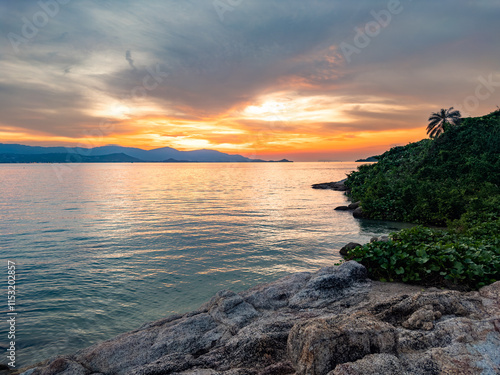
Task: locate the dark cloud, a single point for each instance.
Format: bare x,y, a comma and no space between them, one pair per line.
128,57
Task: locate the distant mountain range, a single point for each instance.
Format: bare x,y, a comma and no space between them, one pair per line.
15,153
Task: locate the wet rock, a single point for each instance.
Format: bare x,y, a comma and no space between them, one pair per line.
4,369
380,239
326,185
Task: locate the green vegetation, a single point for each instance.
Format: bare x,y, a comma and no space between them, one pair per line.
470,258
451,180
435,181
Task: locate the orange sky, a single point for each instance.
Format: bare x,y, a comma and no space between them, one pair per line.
280,125
258,131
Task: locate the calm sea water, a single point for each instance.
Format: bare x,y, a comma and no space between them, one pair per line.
111,246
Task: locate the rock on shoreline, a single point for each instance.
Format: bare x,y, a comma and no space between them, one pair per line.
339,185
355,207
331,322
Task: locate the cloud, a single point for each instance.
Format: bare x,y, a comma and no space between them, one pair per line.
128,57
72,73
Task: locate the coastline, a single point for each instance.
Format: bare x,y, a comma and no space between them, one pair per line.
234,263
354,207
334,321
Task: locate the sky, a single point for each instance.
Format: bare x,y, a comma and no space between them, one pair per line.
306,80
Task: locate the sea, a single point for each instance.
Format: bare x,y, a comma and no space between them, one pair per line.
100,249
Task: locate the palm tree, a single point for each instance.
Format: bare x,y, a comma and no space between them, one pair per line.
438,121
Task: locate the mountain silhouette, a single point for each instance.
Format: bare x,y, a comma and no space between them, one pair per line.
8,154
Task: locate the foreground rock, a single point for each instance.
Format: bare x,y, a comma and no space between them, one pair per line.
334,322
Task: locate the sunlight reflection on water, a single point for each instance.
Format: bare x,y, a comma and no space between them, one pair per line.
115,245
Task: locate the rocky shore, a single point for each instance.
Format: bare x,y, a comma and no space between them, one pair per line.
334,321
354,207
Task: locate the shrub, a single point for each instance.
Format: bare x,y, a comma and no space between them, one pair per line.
468,257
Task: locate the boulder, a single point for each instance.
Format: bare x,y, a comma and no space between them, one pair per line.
354,205
358,213
328,287
64,366
349,246
319,345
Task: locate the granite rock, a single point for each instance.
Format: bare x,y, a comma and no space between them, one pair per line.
334,321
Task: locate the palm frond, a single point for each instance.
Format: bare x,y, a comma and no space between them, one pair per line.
437,121
433,133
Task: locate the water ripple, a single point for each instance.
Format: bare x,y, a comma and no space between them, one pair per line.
142,241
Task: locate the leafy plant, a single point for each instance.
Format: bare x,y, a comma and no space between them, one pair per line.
423,255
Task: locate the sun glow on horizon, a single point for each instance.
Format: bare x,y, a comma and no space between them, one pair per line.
280,123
